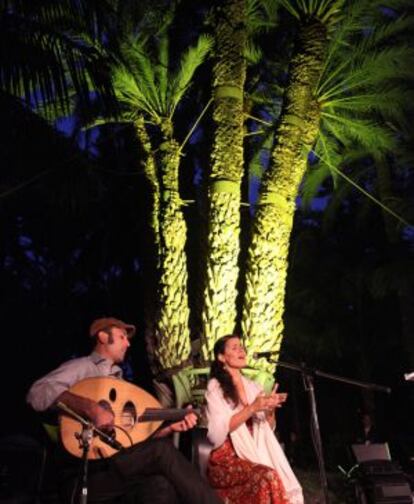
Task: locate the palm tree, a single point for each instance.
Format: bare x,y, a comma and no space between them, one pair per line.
133,45
148,91
236,23
338,95
229,75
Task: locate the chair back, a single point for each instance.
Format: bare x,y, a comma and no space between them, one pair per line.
190,385
52,432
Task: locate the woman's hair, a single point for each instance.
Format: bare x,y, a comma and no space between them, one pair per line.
219,372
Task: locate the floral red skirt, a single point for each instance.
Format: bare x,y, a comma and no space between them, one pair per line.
241,481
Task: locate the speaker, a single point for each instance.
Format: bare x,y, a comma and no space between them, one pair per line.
387,489
379,468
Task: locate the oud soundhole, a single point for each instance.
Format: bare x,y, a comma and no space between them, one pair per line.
128,415
112,395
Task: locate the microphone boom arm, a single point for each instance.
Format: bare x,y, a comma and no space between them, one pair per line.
110,440
308,375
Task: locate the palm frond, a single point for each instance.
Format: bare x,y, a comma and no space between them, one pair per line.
269,98
271,9
361,35
293,10
261,154
331,157
328,153
261,15
369,70
382,33
161,69
142,67
132,95
46,56
327,11
32,62
103,121
189,63
53,110
389,103
384,63
252,53
314,178
359,16
365,132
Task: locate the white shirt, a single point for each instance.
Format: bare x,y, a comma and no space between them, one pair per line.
44,392
260,446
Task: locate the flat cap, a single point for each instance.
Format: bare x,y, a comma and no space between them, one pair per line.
103,324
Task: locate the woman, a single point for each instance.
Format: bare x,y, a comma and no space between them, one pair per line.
247,464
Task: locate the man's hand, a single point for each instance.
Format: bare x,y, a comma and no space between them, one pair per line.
85,407
188,422
101,417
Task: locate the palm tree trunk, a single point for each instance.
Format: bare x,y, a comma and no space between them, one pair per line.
267,262
152,266
219,311
150,172
172,323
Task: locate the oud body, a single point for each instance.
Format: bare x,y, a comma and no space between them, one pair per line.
137,415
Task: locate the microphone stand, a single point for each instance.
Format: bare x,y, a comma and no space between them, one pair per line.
308,381
85,438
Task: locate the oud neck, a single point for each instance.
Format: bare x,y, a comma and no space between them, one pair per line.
162,415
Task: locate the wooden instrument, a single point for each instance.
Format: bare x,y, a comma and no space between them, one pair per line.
137,415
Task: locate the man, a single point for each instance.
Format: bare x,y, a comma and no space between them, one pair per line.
154,469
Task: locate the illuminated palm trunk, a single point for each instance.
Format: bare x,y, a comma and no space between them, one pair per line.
219,311
150,171
267,262
172,332
151,176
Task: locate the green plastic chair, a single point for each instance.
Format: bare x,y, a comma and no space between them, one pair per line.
263,378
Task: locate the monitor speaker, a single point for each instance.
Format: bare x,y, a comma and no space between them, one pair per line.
393,489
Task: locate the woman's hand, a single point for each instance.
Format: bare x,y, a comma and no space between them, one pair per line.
279,398
268,403
264,403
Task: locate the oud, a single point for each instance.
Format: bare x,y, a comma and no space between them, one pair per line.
137,415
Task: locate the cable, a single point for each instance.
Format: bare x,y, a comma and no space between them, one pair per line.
125,432
363,191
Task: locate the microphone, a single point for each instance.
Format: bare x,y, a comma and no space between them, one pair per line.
265,355
109,439
89,429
